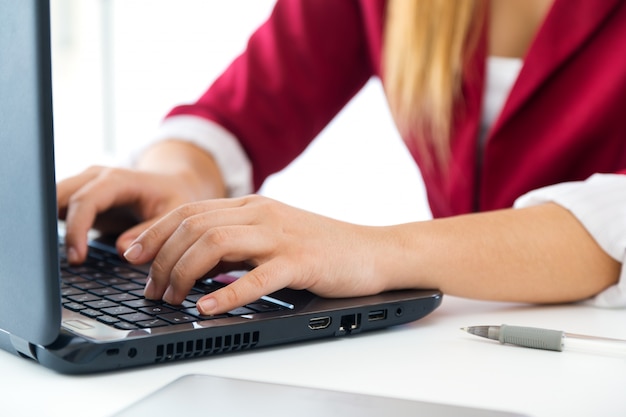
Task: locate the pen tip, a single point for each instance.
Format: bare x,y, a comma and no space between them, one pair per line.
482,331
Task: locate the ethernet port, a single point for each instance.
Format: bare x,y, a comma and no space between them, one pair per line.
349,323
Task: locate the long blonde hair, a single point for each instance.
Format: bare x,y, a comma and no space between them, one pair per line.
426,45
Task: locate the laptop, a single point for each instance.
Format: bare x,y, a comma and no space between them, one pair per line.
93,317
190,394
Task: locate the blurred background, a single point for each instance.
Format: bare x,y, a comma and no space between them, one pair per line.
120,65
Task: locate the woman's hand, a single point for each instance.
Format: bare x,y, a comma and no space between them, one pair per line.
287,247
540,254
115,200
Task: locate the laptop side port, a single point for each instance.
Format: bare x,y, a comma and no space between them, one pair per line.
377,315
318,323
349,323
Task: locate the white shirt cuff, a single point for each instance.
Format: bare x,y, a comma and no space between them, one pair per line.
599,203
230,157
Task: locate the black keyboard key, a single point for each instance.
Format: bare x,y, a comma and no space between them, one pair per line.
241,311
135,317
81,269
83,298
137,293
74,279
139,302
70,291
185,304
107,319
122,325
193,298
88,285
178,317
131,275
264,306
194,312
113,280
120,297
98,276
156,310
141,281
90,312
102,291
73,306
153,323
118,310
100,304
129,286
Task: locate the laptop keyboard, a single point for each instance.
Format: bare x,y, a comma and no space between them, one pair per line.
109,290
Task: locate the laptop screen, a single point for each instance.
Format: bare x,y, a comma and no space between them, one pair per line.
29,278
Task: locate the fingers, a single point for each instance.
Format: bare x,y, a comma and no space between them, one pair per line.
203,255
263,280
69,186
283,244
94,198
79,200
108,199
126,238
181,219
190,241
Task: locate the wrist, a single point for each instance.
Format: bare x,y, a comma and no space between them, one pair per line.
194,166
396,262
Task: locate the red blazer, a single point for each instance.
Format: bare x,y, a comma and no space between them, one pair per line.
565,118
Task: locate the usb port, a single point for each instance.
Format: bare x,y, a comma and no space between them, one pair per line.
319,323
377,315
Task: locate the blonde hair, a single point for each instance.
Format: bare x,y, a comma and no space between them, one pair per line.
426,45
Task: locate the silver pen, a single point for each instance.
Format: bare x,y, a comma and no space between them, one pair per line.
558,340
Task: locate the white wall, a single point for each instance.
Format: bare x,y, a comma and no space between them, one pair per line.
120,65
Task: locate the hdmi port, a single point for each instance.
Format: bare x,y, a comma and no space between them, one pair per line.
319,323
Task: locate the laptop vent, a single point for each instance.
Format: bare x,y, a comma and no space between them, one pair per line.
205,347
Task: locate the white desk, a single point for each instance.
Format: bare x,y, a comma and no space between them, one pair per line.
428,360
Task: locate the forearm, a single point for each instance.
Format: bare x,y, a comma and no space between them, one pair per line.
540,254
187,160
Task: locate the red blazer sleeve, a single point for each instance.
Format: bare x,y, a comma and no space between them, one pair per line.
299,69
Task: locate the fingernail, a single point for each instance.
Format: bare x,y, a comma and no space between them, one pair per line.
207,306
72,255
133,252
148,290
168,295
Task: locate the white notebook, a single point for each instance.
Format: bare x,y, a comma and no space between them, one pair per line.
217,396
